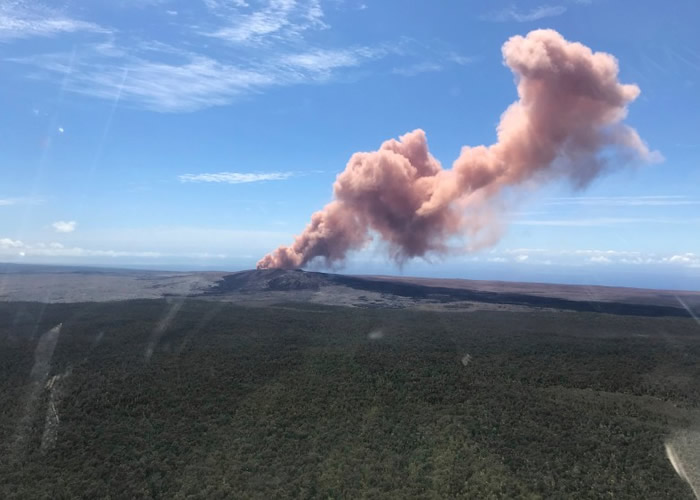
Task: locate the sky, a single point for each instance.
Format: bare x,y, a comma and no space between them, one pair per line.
203,134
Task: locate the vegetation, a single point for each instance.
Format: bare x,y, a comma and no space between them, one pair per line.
308,401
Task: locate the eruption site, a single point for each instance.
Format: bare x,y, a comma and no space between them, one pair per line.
566,123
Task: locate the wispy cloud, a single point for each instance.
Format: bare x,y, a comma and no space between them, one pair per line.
196,83
225,50
164,78
460,59
19,19
277,19
513,14
63,226
217,5
236,177
323,60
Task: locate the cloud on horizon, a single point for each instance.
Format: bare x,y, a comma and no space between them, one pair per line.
156,243
18,248
597,257
201,249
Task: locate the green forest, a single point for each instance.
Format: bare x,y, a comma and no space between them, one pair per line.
204,399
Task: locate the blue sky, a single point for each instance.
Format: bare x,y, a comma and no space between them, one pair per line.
203,134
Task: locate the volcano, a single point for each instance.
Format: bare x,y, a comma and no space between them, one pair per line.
392,291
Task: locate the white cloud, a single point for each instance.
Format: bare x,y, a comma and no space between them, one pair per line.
689,259
277,19
236,177
597,257
6,243
62,226
194,83
273,49
190,81
19,19
460,59
217,5
513,14
320,60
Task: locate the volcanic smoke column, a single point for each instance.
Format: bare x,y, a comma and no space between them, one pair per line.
567,122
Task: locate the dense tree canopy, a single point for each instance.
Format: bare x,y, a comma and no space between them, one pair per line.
322,402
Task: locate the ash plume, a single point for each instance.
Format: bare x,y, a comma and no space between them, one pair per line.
566,123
